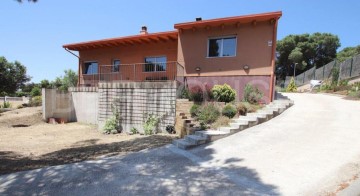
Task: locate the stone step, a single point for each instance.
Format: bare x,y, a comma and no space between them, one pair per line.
195,139
182,144
250,122
212,135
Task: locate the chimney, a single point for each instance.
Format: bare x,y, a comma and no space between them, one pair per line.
198,19
143,30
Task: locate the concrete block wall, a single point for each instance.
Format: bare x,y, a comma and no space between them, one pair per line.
77,105
134,99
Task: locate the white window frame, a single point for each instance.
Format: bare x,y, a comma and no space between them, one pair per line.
221,47
91,62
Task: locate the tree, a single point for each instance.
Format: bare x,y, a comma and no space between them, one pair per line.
45,84
347,52
12,76
308,50
70,79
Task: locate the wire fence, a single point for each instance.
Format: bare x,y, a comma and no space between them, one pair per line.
348,69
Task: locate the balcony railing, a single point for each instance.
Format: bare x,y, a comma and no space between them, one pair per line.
138,72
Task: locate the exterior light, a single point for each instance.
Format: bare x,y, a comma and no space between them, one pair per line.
197,69
246,67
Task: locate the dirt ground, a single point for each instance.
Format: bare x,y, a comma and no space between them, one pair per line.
26,142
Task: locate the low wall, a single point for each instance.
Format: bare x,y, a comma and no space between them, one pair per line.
77,105
135,99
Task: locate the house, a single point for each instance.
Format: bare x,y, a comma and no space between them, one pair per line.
233,50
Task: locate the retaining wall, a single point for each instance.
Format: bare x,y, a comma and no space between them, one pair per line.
135,99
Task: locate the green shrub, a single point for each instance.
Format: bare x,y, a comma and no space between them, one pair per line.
194,110
21,94
343,82
355,94
291,86
355,86
208,113
241,109
222,121
229,111
110,125
150,124
252,94
36,101
334,76
36,91
6,104
134,130
185,94
223,93
203,126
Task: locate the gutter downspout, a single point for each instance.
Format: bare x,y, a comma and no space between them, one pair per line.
78,65
273,61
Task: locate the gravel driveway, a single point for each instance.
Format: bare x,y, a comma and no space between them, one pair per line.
312,148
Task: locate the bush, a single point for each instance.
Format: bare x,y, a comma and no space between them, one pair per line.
36,101
343,82
194,110
291,86
150,124
110,125
208,113
134,130
21,94
334,75
6,104
36,91
196,94
229,111
252,94
223,93
222,121
185,94
241,109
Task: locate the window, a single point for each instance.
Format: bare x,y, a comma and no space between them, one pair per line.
90,68
222,47
153,64
116,66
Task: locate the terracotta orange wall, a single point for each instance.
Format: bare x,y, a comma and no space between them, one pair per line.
252,49
129,55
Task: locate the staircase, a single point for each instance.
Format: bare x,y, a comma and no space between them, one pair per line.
271,110
184,123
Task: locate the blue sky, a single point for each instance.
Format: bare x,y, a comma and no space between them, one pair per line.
33,33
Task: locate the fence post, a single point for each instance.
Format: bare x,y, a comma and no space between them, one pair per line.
351,65
134,72
314,73
303,78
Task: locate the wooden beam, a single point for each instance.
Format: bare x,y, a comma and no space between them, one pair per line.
171,38
162,39
153,39
144,40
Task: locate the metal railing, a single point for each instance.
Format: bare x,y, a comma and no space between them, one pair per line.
137,72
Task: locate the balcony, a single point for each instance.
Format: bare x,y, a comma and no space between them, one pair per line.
138,72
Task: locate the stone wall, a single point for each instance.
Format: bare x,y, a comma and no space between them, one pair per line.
135,99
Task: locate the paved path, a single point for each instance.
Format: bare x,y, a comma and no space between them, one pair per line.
310,149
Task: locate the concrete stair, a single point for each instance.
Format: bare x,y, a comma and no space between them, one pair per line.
243,122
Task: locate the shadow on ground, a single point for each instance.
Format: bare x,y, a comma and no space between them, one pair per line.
89,150
151,172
